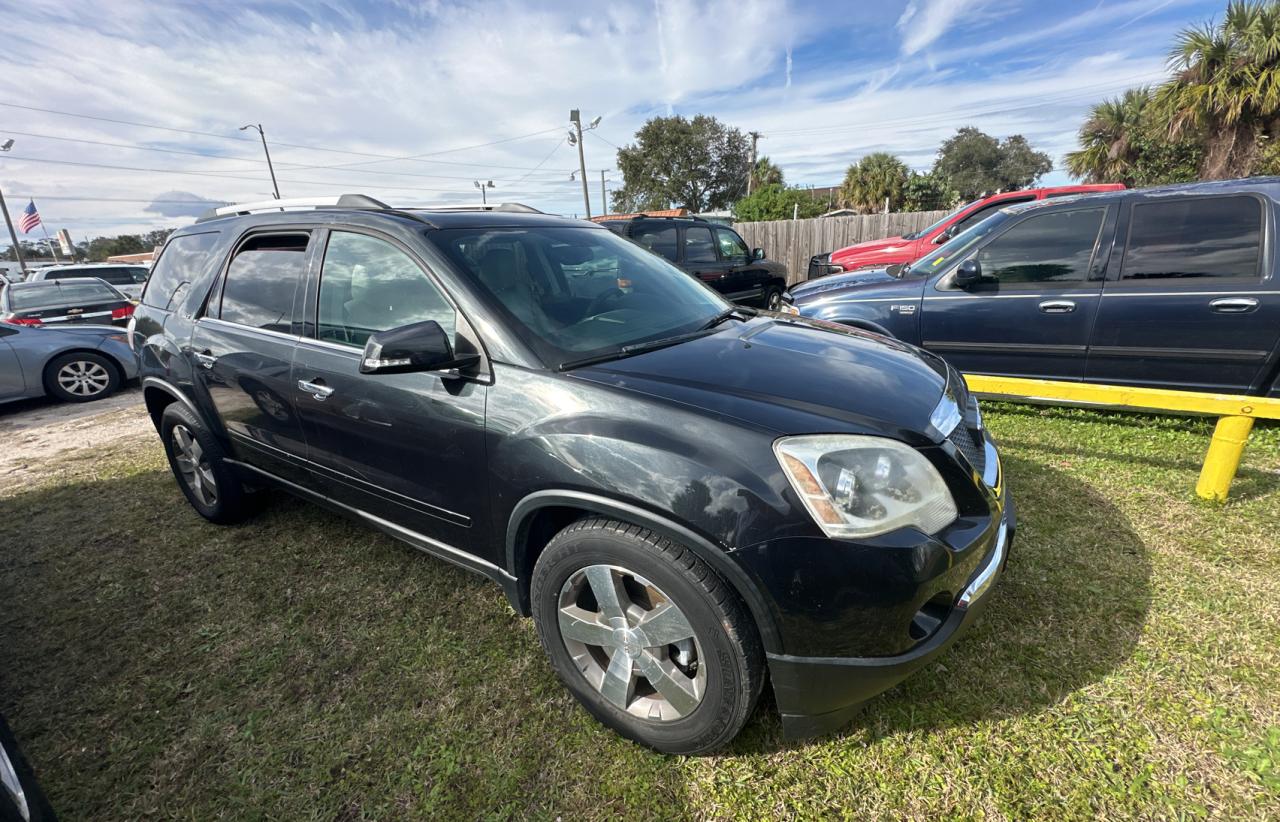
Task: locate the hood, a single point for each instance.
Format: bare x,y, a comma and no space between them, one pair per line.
835,281
792,376
886,250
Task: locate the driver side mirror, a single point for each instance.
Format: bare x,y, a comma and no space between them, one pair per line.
757,254
968,274
422,346
950,231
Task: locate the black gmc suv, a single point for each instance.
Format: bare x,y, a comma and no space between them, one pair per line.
715,254
684,494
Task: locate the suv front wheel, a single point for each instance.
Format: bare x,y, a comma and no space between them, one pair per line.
646,636
196,458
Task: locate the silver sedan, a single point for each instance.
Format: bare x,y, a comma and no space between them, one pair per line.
76,364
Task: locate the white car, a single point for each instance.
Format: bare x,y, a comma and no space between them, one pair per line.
127,279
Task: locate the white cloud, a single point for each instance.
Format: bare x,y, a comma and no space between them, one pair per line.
922,24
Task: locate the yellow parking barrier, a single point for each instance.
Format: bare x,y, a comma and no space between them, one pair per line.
1235,414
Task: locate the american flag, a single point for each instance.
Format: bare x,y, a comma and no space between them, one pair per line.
30,218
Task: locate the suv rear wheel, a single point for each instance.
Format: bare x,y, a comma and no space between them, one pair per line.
646,636
196,458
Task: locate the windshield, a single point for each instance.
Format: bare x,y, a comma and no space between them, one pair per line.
53,294
580,293
926,231
954,248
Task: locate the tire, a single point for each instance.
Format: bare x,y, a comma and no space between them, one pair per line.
81,376
196,459
709,675
772,299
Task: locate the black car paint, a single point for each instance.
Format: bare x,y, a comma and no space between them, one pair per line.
743,281
1161,333
678,440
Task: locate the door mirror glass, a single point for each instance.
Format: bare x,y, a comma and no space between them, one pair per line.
421,346
757,254
969,273
947,233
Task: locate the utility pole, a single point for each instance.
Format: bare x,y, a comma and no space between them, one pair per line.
576,119
604,195
266,151
751,175
13,235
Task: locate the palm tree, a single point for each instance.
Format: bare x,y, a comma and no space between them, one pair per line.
765,173
872,180
1108,139
1226,86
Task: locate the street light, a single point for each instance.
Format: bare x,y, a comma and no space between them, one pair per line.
576,119
482,186
270,167
13,235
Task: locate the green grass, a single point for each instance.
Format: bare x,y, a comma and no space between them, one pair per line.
301,666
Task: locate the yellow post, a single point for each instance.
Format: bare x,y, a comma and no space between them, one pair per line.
1223,458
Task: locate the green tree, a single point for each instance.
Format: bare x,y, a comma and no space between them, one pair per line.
877,177
765,173
1225,87
974,163
776,202
697,163
927,192
1111,138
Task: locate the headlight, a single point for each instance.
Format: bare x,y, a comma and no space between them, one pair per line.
857,486
787,308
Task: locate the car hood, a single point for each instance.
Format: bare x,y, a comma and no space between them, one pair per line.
894,248
792,376
835,281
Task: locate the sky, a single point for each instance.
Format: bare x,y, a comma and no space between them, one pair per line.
126,116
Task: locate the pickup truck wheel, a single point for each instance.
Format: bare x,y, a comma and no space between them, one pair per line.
196,459
647,637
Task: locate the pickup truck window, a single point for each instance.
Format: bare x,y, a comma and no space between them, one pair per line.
1048,248
1194,237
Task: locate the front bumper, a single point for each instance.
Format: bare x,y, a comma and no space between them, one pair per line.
816,695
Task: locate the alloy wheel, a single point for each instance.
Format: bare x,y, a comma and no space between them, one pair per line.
632,643
193,466
83,378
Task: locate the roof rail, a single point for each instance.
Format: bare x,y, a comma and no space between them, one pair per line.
515,207
295,203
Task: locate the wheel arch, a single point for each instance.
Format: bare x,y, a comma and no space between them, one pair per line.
158,395
541,515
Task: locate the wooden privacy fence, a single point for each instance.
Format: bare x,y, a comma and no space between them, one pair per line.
793,242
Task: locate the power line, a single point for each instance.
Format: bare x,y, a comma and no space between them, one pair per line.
300,146
553,150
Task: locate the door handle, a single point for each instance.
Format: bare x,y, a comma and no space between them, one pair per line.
1057,306
318,390
1233,305
205,358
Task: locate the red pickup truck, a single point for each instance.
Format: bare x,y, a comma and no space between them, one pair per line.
911,247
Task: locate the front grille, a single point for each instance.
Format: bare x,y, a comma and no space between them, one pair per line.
970,445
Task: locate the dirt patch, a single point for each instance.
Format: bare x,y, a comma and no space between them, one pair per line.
36,432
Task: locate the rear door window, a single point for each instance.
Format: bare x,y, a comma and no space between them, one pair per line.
262,280
699,247
181,261
1194,238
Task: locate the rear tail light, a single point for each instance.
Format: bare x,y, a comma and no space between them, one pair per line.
24,321
122,312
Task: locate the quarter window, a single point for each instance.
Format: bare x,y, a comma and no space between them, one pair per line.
262,279
660,240
368,285
698,245
1217,237
1047,248
180,262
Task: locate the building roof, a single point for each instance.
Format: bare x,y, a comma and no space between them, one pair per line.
144,257
659,212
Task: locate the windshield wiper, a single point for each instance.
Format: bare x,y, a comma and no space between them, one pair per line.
636,348
737,312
